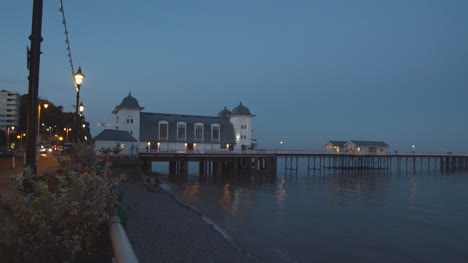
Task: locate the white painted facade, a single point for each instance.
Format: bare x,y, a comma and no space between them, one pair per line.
203,136
125,147
180,146
366,149
330,148
336,147
243,130
128,120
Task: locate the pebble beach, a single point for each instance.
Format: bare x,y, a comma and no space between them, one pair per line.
161,229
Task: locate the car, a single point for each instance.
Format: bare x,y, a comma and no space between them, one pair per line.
4,152
67,147
45,149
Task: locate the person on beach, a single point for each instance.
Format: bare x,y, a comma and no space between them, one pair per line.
157,183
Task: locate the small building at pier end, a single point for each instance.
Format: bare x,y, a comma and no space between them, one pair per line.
228,130
357,147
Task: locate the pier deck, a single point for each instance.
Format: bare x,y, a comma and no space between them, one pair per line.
245,161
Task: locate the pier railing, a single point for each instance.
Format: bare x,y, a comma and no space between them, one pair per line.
281,153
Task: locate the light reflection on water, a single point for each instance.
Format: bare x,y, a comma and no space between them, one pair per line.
339,216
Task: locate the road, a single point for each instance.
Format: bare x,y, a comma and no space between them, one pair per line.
45,164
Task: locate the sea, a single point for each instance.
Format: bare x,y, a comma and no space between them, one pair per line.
334,215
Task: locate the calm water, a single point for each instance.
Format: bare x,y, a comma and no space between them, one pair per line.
338,216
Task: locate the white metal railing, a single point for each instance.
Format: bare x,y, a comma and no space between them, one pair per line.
123,251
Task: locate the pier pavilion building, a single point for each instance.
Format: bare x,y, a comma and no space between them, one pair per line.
357,147
228,130
335,146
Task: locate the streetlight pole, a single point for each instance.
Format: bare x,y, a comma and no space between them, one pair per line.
79,79
34,59
67,130
39,121
8,136
79,130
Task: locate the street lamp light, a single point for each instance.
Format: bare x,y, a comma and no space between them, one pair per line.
8,136
81,108
79,79
67,130
412,148
78,130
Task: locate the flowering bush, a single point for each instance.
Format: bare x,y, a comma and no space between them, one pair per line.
63,215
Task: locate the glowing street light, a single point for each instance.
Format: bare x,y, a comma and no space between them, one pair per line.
67,130
79,79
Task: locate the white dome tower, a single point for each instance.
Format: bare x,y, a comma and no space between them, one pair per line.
127,116
241,119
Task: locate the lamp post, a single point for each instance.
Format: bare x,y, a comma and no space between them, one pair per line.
33,64
39,121
8,136
412,148
22,136
79,79
78,128
67,130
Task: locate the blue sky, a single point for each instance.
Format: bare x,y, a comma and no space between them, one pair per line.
393,70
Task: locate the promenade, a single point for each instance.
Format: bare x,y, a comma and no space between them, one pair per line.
47,164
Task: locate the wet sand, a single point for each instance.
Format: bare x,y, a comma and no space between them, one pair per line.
162,230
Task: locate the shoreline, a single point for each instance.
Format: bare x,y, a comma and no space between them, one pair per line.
162,229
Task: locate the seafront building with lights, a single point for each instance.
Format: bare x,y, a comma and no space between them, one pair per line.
227,131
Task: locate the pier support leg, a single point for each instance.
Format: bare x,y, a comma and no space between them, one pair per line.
172,168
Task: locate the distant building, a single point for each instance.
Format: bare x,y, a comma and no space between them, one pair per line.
357,147
367,147
9,109
336,146
115,140
229,130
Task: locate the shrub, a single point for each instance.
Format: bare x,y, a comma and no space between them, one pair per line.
63,214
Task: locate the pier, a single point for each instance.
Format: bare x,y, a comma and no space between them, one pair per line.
212,162
398,161
246,162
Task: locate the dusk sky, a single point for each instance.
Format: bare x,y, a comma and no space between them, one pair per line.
310,70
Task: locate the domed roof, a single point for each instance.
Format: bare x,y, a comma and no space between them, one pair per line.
129,103
241,110
224,113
